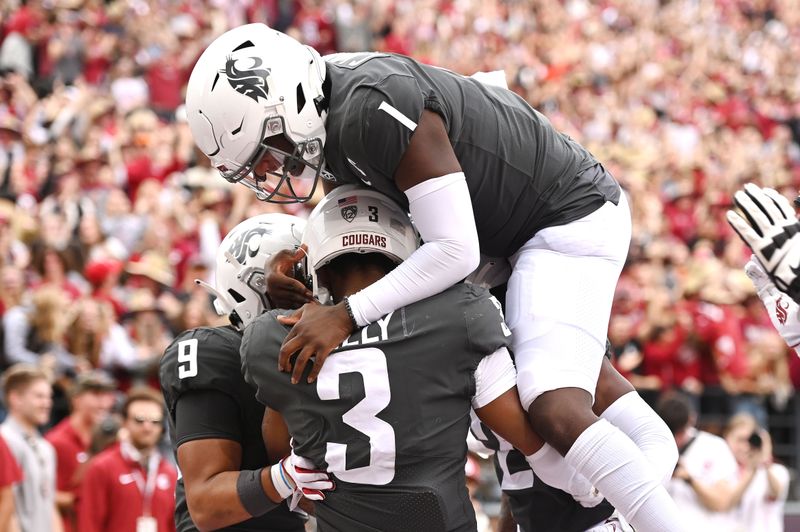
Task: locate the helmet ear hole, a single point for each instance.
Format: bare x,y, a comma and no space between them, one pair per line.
301,98
239,298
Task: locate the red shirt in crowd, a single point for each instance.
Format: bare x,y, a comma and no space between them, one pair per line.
10,472
71,454
112,495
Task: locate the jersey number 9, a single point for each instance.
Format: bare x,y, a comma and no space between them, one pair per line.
187,358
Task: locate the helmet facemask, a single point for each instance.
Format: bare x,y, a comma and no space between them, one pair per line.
302,166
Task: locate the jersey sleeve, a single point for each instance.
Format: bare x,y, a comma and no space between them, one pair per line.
385,115
205,358
261,344
486,327
206,414
495,375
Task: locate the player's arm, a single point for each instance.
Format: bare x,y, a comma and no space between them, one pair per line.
496,402
218,493
439,202
275,433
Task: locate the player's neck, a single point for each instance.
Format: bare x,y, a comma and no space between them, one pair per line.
357,280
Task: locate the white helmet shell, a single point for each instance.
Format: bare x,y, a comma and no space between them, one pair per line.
356,220
240,286
252,83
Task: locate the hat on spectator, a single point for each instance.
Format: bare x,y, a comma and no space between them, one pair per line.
154,266
141,300
98,270
92,381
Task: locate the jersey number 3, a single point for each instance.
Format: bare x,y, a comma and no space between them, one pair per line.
187,358
371,364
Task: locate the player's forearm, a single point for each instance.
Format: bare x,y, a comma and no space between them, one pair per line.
506,417
215,503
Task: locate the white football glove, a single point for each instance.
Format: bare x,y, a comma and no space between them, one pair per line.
768,225
295,476
782,310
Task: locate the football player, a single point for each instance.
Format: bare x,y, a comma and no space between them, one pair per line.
389,414
480,171
215,418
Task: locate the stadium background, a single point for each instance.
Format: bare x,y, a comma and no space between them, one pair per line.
107,213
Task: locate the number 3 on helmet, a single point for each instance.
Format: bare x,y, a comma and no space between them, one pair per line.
257,92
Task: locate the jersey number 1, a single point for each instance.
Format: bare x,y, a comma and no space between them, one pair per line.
371,364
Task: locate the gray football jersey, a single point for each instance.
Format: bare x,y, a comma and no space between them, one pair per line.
522,174
389,414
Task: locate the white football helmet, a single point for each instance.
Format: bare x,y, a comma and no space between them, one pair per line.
251,84
356,220
240,289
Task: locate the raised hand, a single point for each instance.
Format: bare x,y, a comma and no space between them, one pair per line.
768,225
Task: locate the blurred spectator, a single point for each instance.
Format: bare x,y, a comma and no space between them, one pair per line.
131,486
71,439
103,278
149,332
763,501
35,334
705,482
96,340
10,476
27,396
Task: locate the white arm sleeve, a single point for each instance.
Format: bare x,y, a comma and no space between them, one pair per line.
442,212
494,376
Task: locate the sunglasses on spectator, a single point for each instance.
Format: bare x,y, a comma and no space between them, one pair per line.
141,420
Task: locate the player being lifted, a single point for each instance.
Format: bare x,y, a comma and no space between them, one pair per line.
480,171
214,416
389,414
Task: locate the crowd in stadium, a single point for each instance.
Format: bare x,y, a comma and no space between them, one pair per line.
108,213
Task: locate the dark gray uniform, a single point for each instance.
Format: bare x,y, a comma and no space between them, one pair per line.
207,397
536,506
389,413
522,174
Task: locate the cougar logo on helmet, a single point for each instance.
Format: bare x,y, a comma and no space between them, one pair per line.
247,244
252,83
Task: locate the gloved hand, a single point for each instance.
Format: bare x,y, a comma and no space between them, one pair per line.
782,310
768,225
296,476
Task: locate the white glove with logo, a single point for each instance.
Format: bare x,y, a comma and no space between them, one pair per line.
782,310
768,225
296,476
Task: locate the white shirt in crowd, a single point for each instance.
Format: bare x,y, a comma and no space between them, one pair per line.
707,460
758,512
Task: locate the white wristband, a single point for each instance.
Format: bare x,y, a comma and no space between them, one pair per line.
280,480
